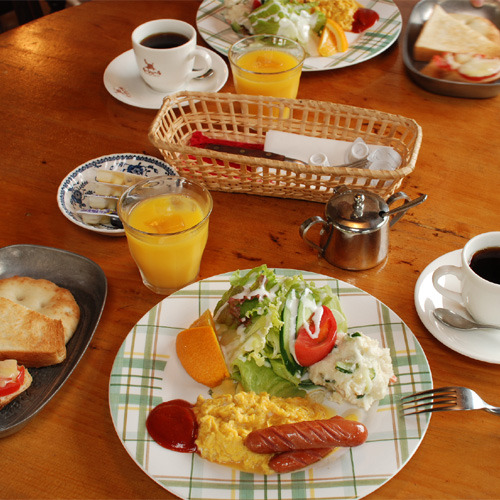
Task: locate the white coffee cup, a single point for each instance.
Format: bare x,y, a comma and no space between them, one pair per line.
479,296
169,69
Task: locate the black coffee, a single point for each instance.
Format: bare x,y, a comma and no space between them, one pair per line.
164,40
486,263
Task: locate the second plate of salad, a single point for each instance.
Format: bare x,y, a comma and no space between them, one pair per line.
216,30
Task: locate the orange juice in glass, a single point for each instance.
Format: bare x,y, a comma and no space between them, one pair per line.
267,65
166,225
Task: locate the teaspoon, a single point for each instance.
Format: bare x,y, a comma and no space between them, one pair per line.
207,74
449,318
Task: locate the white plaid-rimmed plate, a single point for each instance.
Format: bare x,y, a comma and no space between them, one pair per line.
147,372
217,32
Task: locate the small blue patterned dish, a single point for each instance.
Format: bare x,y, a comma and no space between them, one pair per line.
77,187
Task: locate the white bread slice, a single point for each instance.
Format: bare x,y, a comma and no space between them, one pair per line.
480,24
31,338
44,297
5,400
444,33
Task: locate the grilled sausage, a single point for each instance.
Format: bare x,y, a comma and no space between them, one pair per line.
310,434
290,461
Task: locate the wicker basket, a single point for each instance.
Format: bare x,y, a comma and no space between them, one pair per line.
227,116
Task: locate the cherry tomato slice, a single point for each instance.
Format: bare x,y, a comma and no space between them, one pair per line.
309,350
14,385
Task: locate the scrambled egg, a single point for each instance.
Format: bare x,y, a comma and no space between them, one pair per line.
341,11
224,422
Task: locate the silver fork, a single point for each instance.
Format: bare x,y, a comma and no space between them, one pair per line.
444,399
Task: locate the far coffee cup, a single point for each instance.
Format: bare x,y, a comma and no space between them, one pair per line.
479,278
165,52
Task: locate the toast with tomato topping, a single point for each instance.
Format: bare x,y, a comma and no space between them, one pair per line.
466,68
31,338
14,380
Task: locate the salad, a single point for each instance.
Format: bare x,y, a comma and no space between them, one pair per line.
319,26
262,323
286,336
275,17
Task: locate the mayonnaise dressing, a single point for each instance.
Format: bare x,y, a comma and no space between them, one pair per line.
291,326
316,320
316,316
249,294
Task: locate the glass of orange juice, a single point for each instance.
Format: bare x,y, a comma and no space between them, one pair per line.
267,65
166,225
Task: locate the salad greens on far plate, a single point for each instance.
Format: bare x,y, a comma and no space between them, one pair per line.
257,321
292,20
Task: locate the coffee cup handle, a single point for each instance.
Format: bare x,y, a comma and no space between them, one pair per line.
308,224
443,271
206,61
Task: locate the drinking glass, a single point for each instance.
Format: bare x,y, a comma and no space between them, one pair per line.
267,65
166,224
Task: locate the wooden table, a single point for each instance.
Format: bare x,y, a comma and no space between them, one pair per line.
56,115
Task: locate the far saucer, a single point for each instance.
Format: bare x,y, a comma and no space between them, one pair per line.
123,81
483,345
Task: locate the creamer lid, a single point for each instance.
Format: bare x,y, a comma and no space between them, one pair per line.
356,211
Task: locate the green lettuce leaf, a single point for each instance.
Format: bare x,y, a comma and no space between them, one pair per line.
263,379
285,18
249,323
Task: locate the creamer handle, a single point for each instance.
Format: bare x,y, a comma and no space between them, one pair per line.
306,225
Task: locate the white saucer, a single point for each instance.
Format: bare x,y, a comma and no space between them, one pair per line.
123,81
483,345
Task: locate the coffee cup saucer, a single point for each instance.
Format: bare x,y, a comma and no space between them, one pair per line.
123,81
483,345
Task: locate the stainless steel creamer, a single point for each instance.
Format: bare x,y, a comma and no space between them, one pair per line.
355,231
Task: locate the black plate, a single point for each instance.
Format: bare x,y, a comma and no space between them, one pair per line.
88,284
420,14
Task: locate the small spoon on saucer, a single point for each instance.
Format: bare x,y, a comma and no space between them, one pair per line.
450,318
207,74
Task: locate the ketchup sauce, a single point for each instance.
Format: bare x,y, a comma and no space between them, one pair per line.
364,19
173,425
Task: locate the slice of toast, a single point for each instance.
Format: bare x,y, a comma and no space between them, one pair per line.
445,33
44,297
480,24
468,68
31,338
5,400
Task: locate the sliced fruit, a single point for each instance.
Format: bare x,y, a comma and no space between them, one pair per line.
206,319
332,39
200,354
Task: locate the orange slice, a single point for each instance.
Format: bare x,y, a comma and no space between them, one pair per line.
332,39
199,352
206,319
